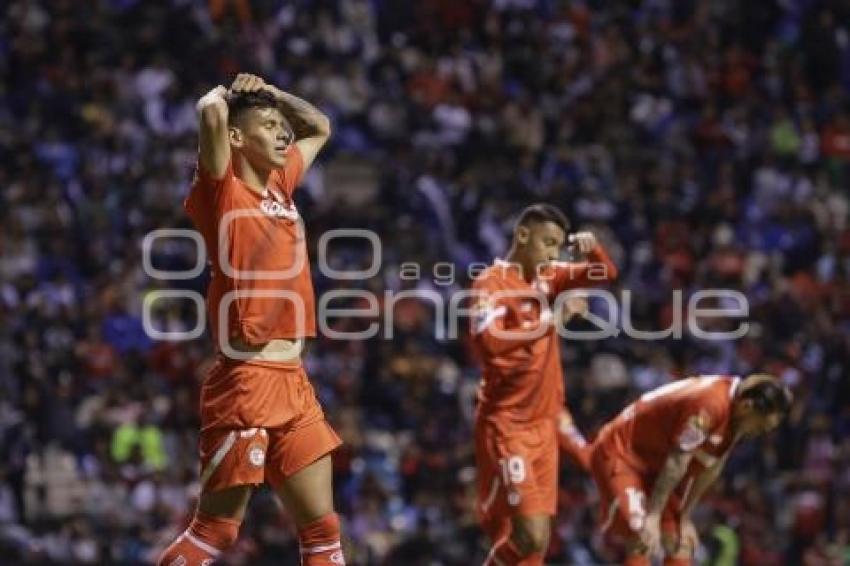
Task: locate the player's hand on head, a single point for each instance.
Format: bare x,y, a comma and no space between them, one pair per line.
246,82
584,241
213,97
220,90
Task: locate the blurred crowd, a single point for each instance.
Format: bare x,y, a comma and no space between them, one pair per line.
707,143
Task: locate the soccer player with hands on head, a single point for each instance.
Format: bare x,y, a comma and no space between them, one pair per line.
260,419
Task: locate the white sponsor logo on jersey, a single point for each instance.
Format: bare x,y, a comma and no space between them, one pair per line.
273,204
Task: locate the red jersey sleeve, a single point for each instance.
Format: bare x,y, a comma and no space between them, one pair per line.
492,328
206,189
290,175
596,270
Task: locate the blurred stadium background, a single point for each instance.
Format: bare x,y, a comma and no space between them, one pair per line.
707,142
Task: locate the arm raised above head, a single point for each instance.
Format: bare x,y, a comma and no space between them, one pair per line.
312,127
213,142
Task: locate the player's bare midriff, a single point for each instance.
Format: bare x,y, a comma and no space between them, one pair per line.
278,350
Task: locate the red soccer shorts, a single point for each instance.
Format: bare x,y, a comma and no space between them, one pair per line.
517,471
260,423
624,496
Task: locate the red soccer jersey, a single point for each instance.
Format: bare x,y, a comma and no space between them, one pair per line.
522,376
691,415
256,245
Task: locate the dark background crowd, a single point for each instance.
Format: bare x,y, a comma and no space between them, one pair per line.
707,143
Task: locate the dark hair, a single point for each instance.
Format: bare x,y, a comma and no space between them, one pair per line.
542,212
769,396
240,103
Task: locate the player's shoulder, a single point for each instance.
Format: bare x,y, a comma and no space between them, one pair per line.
288,176
499,272
487,277
715,385
713,392
203,179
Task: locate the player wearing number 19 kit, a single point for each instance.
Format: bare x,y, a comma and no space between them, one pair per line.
654,461
521,398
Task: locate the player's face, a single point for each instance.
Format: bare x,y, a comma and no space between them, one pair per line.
755,424
265,135
542,241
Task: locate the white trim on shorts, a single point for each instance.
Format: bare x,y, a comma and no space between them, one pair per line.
491,497
218,457
209,549
321,548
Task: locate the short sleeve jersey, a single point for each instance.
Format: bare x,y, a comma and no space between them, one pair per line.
688,415
260,288
514,340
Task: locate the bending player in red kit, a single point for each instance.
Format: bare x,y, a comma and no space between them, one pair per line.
655,460
521,399
260,419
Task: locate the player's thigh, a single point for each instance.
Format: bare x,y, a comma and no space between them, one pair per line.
623,500
308,493
229,502
515,477
231,464
532,525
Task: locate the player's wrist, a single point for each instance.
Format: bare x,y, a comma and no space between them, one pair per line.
213,97
274,91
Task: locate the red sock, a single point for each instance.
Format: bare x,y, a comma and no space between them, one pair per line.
637,560
206,538
504,553
320,544
677,561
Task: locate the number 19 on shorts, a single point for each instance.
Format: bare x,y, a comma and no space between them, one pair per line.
513,469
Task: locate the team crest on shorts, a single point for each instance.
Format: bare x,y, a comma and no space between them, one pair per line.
338,558
256,455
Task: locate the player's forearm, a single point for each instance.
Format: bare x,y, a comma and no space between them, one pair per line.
595,270
671,475
598,256
704,481
213,145
496,339
308,120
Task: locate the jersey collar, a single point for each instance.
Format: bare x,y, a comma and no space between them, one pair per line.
736,381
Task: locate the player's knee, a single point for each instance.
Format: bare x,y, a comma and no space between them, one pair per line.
670,543
531,536
634,547
229,503
307,494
